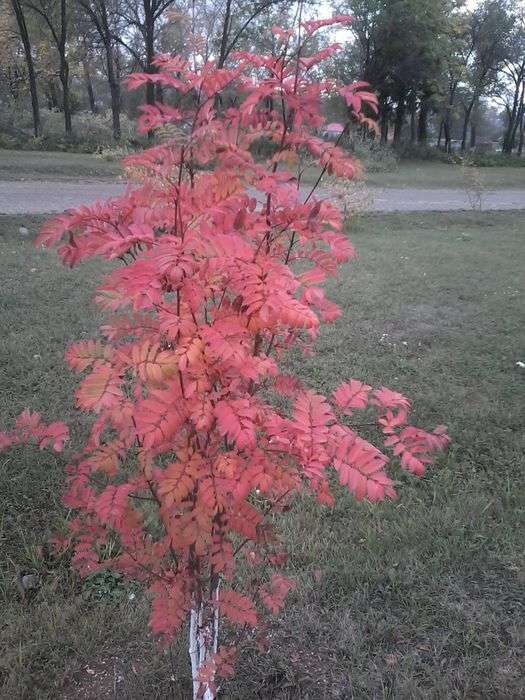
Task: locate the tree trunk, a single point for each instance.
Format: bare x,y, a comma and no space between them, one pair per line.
51,95
89,86
473,135
422,125
101,22
466,122
384,119
413,132
519,117
507,145
64,67
510,131
149,42
513,114
24,35
114,86
203,643
522,133
384,129
399,121
440,135
64,79
452,87
225,34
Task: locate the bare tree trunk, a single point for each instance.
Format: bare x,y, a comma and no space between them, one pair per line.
64,67
64,79
422,125
114,87
149,43
51,95
203,643
101,23
519,117
226,25
384,130
466,122
440,134
399,120
413,131
24,35
447,126
522,133
513,114
384,119
89,86
473,135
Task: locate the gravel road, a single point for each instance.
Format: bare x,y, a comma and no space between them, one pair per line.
45,197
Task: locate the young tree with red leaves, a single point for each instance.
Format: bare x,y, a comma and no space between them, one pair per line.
199,437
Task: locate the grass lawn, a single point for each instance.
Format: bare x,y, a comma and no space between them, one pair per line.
426,174
46,165
49,165
418,598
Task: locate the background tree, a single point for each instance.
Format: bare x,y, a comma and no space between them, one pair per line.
56,18
457,53
512,86
104,18
18,11
400,48
143,21
489,30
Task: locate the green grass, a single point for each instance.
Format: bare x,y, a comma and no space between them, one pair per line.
425,174
419,598
49,165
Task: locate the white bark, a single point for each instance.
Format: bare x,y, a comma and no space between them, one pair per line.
194,651
203,643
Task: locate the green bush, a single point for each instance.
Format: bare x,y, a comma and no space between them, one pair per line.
376,158
91,133
496,160
411,151
416,151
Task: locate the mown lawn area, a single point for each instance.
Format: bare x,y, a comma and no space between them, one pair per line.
49,165
427,174
54,165
418,598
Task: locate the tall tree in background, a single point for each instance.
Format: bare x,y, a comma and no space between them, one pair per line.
145,18
84,54
31,73
236,19
458,51
102,13
400,47
490,28
55,16
513,86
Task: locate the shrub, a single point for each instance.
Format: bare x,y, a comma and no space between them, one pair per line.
411,151
199,439
91,133
376,157
496,160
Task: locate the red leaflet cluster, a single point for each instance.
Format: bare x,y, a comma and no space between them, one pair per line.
197,435
29,426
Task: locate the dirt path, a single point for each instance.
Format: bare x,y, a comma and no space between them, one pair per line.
42,197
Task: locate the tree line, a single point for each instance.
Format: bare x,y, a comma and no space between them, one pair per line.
435,64
58,39
438,61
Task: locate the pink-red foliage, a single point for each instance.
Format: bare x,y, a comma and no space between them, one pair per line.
224,255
